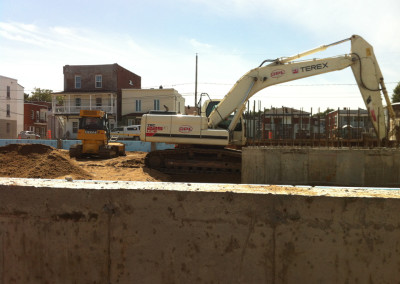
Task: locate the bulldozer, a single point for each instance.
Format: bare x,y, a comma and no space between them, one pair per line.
94,132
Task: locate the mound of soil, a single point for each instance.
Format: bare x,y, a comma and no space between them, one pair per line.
38,161
45,162
127,168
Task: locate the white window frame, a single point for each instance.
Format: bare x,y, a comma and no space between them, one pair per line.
99,102
138,107
156,104
78,83
98,81
75,126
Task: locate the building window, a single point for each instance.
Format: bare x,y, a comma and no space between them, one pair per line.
8,111
8,128
78,83
156,104
98,102
78,102
75,127
8,92
99,80
32,114
43,116
138,105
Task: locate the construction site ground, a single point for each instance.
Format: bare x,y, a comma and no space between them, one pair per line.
44,162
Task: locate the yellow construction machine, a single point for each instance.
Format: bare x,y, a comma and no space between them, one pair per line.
94,132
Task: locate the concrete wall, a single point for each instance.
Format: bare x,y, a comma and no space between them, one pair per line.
313,166
66,144
123,232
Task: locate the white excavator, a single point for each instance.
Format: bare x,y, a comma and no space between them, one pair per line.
203,141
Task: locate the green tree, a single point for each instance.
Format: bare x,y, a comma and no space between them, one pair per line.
396,94
323,114
43,95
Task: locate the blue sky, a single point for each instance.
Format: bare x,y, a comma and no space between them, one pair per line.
158,40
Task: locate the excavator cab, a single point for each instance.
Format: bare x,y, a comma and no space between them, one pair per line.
210,105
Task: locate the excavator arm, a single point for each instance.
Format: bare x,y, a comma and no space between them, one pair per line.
361,59
201,138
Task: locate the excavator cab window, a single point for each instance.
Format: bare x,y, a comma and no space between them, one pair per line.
91,123
211,106
225,123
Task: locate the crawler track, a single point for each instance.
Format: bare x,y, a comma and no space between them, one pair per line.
195,160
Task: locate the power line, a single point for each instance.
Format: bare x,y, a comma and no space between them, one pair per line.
227,84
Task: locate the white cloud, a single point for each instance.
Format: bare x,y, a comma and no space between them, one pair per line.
199,45
40,52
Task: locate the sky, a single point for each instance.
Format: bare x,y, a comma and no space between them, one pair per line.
158,40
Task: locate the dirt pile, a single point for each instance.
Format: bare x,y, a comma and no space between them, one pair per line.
38,161
127,168
45,162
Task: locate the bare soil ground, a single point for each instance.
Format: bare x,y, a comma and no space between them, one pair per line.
45,162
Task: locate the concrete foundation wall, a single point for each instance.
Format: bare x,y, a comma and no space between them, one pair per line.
66,144
123,232
378,167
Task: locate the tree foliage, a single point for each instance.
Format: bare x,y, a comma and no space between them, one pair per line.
43,95
323,114
396,94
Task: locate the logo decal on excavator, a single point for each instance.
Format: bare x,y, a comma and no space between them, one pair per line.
373,115
314,67
277,73
152,129
185,129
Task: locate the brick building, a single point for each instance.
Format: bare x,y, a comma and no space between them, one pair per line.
93,87
282,123
348,123
36,117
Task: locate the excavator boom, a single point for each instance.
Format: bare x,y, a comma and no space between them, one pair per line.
361,59
196,135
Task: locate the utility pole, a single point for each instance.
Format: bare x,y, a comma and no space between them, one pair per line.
195,89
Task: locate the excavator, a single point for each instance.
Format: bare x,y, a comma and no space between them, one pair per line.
205,141
94,132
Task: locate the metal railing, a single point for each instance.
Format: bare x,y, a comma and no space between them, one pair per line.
76,109
286,126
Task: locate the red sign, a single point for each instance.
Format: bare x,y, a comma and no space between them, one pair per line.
185,129
373,115
153,129
277,73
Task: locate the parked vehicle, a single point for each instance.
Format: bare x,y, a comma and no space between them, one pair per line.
28,135
127,132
